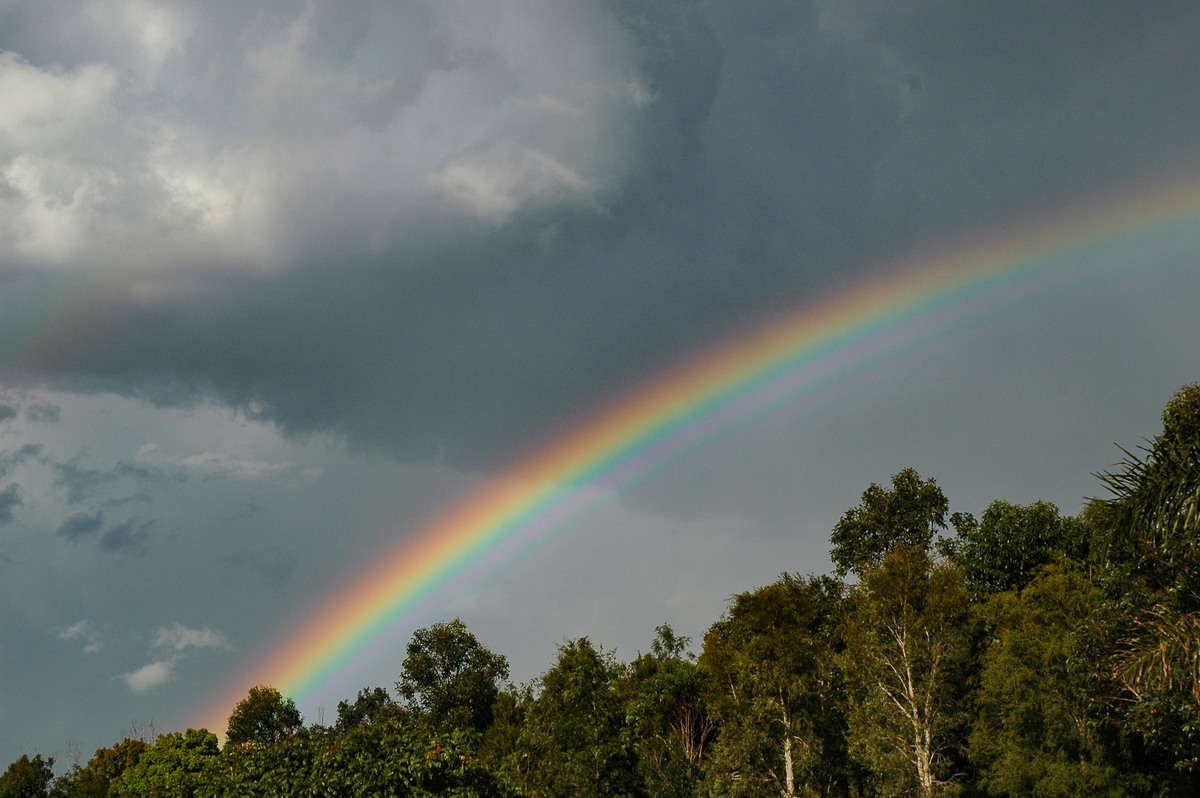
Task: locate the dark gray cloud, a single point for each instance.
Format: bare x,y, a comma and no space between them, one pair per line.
7,412
80,526
128,537
10,500
24,453
271,565
132,536
43,414
780,144
81,482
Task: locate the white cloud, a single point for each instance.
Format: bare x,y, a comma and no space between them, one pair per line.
82,631
155,29
170,156
45,109
211,465
149,676
174,639
179,637
54,173
496,183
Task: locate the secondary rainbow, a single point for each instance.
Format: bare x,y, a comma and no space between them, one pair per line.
797,354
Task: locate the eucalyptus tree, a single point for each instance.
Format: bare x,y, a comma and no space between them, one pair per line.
1038,729
1005,547
775,690
908,514
907,659
574,730
669,724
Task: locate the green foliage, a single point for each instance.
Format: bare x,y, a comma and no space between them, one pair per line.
263,717
371,706
574,729
1151,534
450,679
27,778
175,765
775,691
1007,546
502,745
907,515
668,722
95,780
907,661
1038,729
1152,519
383,758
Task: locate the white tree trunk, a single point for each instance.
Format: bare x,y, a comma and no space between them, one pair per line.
789,768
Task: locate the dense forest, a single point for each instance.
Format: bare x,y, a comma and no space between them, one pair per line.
1021,653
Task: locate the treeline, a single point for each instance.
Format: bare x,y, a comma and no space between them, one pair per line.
1021,653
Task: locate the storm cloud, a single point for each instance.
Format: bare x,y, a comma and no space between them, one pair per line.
456,220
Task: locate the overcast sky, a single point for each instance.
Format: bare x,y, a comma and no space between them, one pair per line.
281,280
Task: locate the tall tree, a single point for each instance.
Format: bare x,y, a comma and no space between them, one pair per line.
450,679
669,723
908,647
909,514
574,729
1005,548
775,697
263,717
503,743
1038,729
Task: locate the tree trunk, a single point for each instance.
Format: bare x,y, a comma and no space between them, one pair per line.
789,769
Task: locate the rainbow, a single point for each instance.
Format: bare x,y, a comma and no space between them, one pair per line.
796,354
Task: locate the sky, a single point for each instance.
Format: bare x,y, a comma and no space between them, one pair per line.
280,282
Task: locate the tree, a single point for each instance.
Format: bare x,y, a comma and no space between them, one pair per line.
371,706
1151,548
450,679
383,758
27,778
263,717
908,646
667,716
775,692
1153,516
503,743
1006,547
908,514
574,729
175,765
1038,730
95,780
